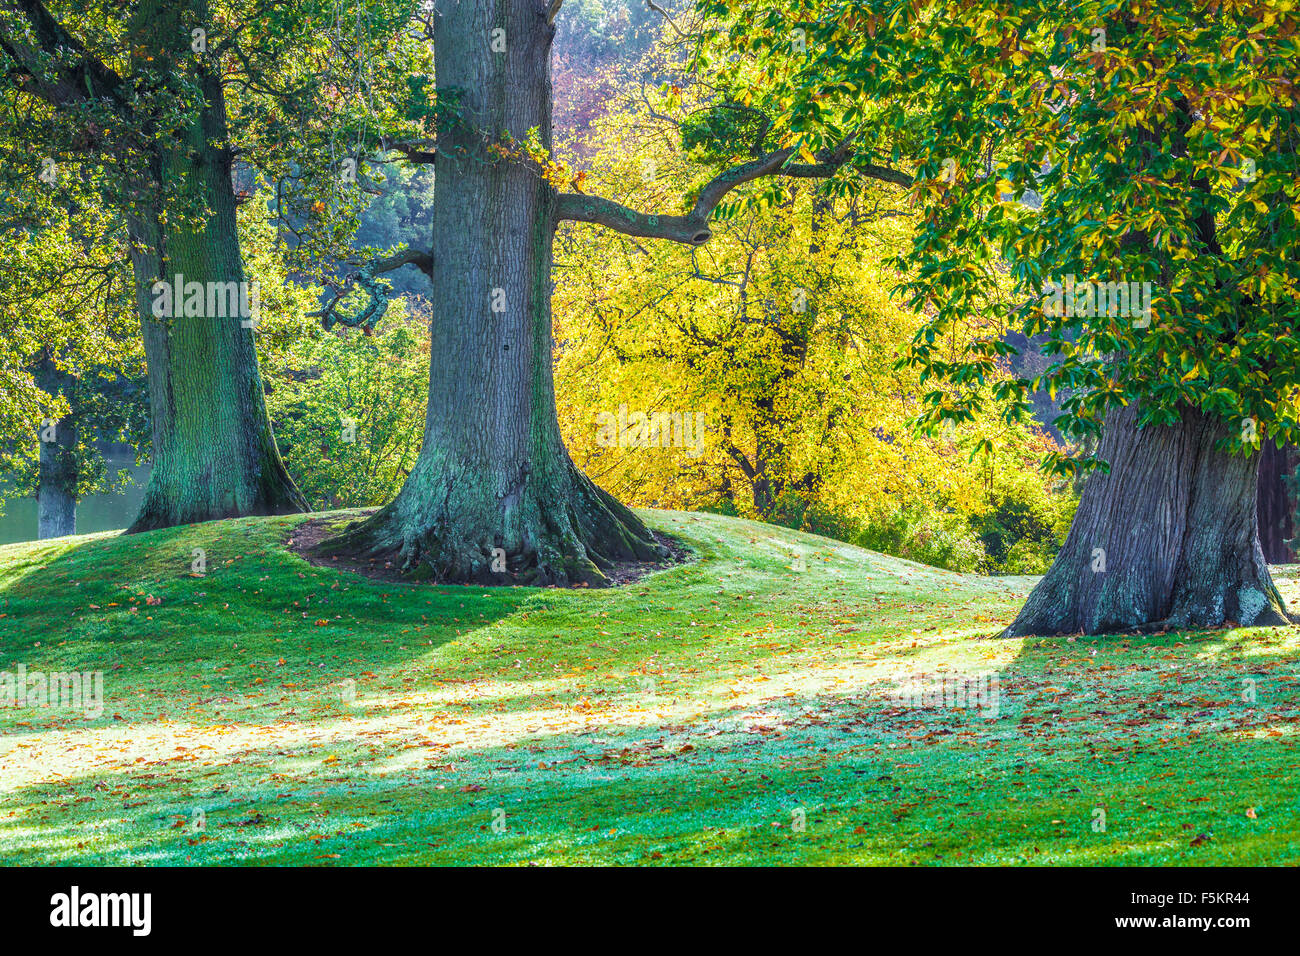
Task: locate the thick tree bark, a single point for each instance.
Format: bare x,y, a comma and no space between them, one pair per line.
1168,539
213,452
494,495
1277,504
56,489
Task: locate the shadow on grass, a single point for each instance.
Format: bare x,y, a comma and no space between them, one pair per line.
254,625
230,710
828,778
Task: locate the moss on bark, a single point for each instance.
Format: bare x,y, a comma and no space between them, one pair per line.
494,495
214,455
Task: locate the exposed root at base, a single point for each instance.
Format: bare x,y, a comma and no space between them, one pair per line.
1165,626
306,538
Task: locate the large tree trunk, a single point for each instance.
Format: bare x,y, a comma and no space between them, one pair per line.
1277,505
1167,539
213,452
494,495
56,489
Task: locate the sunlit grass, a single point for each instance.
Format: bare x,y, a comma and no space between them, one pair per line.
741,708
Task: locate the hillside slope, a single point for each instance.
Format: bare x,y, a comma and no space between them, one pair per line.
740,708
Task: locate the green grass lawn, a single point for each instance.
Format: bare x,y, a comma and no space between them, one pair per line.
741,708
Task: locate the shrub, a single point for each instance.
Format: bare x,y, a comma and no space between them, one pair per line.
348,411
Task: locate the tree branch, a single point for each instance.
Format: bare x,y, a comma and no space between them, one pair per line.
407,257
749,471
664,13
86,79
377,290
415,151
885,174
693,228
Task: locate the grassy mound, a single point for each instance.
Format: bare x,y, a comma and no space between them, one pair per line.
742,708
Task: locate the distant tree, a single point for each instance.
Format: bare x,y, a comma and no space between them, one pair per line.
756,374
349,409
600,47
71,364
104,406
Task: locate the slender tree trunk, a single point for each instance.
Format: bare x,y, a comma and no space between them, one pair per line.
494,495
769,455
1277,503
213,452
1167,539
56,489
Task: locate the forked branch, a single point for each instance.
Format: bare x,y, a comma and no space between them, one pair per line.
693,227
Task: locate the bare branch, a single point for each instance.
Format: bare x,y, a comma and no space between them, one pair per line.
693,228
377,290
407,257
664,13
423,151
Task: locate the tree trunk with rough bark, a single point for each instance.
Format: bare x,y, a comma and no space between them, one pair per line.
214,455
1167,540
1277,504
56,488
494,495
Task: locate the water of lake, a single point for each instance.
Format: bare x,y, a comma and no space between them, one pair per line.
94,513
